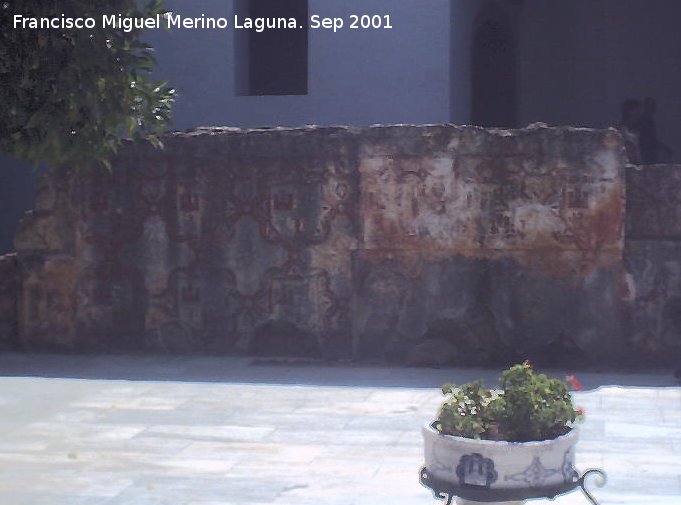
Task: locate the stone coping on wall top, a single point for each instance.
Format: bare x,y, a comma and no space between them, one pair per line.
569,144
532,128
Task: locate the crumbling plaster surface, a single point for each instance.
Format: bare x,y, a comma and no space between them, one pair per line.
413,243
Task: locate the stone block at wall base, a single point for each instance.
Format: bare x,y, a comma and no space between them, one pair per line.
654,308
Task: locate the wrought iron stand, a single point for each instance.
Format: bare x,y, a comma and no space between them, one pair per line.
448,491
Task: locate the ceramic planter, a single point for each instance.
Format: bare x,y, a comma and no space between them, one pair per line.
488,468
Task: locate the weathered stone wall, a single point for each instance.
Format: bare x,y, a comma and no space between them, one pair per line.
653,261
421,244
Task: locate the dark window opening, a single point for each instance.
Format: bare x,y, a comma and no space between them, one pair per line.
493,75
277,58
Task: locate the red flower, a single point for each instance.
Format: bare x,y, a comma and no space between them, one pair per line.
574,382
580,411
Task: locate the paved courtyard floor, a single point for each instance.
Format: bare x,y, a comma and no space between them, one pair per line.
117,430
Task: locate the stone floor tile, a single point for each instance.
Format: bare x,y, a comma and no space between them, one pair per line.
119,430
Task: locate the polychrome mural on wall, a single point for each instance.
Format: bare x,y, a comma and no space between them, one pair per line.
385,242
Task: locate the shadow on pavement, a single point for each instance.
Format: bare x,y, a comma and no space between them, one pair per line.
280,371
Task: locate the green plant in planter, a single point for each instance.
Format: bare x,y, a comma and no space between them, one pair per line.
529,406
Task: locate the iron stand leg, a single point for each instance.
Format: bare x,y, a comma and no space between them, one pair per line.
600,482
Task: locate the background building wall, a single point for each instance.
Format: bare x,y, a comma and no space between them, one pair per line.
463,12
356,77
580,59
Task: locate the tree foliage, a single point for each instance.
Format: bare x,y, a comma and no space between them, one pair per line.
68,96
